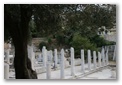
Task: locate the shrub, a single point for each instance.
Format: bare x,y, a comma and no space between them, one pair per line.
60,39
49,40
100,41
79,42
43,44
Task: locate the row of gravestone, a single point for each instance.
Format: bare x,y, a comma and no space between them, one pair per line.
39,58
63,61
102,61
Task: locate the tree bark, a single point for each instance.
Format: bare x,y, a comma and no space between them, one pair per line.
18,29
22,63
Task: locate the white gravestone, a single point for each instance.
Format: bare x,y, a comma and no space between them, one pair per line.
107,56
7,56
72,62
103,57
48,70
44,52
31,56
82,61
89,59
114,55
51,55
94,59
62,64
55,58
39,57
99,59
6,71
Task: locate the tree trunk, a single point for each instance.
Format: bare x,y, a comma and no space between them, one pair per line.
19,30
22,63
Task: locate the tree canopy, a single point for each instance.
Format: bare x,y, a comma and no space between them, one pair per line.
52,19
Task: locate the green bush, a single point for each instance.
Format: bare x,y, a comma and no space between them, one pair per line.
100,41
60,39
49,40
43,44
79,42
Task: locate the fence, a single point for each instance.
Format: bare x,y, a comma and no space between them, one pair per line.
48,60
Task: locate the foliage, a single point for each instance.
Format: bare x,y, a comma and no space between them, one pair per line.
63,21
6,35
52,19
33,31
43,44
80,42
88,18
60,39
100,41
49,40
47,18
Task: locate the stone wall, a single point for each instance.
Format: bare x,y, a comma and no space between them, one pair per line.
36,41
111,37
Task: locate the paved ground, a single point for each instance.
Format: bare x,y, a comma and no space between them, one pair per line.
105,73
108,72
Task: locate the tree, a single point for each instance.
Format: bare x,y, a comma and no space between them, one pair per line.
87,18
16,22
